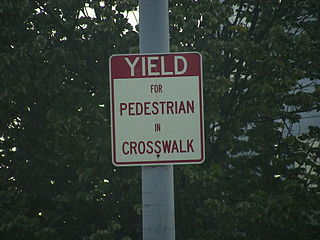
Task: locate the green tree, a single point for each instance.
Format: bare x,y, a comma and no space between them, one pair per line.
56,176
261,70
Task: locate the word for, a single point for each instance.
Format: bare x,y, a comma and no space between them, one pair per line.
151,147
149,66
157,88
156,108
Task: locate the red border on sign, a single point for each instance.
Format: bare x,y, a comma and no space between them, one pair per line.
118,70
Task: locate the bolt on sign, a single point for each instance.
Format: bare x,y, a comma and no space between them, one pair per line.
156,105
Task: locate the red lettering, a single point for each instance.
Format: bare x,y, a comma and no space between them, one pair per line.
162,107
174,146
131,106
181,147
157,145
176,106
170,107
190,106
141,147
123,106
133,147
139,108
166,146
149,147
155,110
123,149
146,108
182,108
189,145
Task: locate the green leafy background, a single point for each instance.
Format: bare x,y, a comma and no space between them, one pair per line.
260,179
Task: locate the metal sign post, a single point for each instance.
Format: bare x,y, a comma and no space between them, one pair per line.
156,108
157,182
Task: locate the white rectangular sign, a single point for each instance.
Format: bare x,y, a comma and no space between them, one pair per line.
156,109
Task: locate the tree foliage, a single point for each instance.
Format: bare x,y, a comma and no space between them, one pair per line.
261,72
261,69
57,180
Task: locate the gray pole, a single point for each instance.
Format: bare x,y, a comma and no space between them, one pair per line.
157,182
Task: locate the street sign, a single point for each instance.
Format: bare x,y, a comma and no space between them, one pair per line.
156,105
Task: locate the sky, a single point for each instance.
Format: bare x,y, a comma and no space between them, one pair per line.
133,16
